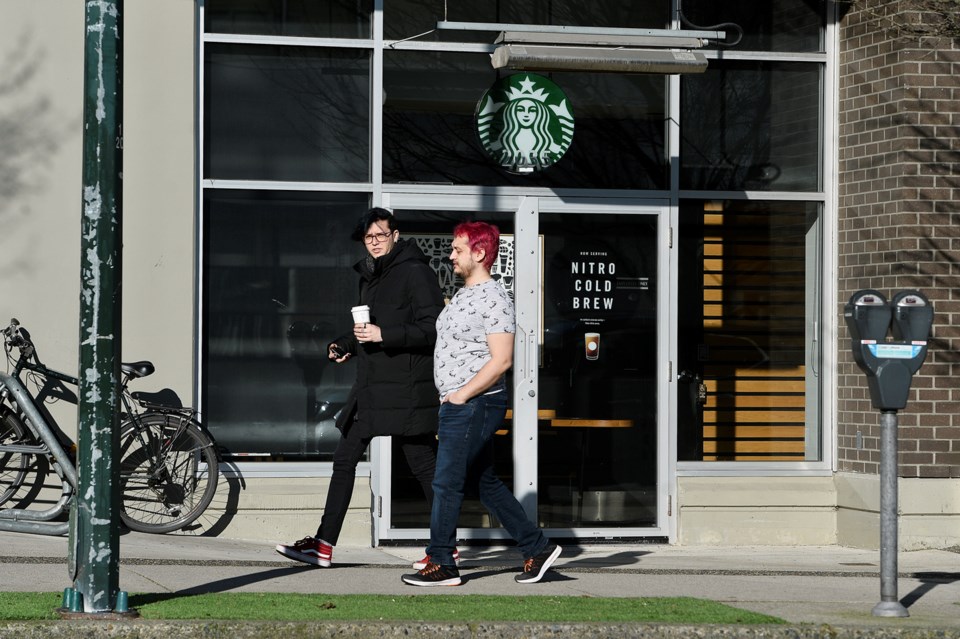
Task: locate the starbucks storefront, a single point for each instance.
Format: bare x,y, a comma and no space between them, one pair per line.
661,240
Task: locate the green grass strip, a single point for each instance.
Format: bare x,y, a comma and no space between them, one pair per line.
438,607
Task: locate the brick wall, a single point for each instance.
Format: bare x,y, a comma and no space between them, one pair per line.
899,223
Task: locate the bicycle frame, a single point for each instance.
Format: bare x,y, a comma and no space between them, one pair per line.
22,519
161,499
33,521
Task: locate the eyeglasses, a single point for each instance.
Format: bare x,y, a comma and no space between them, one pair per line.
379,237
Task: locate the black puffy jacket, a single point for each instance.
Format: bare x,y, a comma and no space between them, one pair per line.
394,390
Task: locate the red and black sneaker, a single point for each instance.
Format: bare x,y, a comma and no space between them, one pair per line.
309,550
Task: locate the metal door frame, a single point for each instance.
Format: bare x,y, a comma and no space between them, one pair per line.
527,209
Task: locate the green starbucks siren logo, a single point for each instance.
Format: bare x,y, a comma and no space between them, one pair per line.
525,123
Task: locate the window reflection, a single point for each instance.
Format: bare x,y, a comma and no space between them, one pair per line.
429,127
277,289
745,338
305,18
598,378
406,18
286,113
432,231
779,25
751,126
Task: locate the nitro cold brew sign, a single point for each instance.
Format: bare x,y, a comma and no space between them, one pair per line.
525,123
593,277
593,283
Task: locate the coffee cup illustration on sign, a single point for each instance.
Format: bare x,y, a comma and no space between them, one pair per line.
591,345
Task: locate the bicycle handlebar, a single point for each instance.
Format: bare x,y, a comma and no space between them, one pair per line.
15,336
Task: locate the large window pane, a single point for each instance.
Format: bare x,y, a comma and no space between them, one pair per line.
286,113
429,129
278,286
407,18
776,25
306,18
751,126
747,347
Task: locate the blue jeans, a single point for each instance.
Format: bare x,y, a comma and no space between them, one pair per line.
465,460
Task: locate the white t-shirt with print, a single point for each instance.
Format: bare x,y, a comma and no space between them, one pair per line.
462,328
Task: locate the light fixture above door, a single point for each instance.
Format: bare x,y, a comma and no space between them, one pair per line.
561,48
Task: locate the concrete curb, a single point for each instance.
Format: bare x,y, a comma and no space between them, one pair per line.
140,629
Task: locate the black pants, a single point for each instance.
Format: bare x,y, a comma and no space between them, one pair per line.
421,454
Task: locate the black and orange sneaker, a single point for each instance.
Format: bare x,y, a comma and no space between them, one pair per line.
434,575
535,567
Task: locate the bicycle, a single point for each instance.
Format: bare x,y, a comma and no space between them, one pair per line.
168,462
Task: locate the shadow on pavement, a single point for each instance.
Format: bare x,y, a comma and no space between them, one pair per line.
222,585
469,574
928,581
572,557
616,560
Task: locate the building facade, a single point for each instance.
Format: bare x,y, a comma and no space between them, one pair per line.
679,257
898,226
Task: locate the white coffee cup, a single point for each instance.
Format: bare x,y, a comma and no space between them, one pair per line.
361,314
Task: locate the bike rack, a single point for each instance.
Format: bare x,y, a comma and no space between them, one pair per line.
37,521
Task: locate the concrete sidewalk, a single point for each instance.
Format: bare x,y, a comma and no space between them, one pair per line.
807,586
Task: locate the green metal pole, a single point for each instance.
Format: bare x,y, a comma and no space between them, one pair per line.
95,515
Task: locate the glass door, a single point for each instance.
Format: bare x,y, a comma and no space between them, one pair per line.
601,375
428,220
582,446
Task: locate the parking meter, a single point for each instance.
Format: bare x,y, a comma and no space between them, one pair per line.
912,317
868,316
889,364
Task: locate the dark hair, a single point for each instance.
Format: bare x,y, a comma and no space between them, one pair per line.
481,236
376,214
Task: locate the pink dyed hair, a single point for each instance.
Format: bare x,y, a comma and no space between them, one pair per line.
481,236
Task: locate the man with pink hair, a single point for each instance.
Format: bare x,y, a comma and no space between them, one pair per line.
474,350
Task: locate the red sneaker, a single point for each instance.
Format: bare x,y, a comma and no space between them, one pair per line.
420,565
308,550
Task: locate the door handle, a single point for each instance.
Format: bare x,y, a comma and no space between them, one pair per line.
701,390
689,377
526,356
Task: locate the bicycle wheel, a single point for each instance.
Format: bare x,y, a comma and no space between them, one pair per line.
168,472
14,466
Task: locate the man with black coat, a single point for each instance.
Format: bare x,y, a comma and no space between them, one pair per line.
394,393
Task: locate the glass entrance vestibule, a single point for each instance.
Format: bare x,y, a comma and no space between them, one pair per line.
584,443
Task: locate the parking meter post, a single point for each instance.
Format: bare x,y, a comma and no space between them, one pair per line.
889,365
889,605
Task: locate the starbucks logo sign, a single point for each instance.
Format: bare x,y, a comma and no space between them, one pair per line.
525,123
